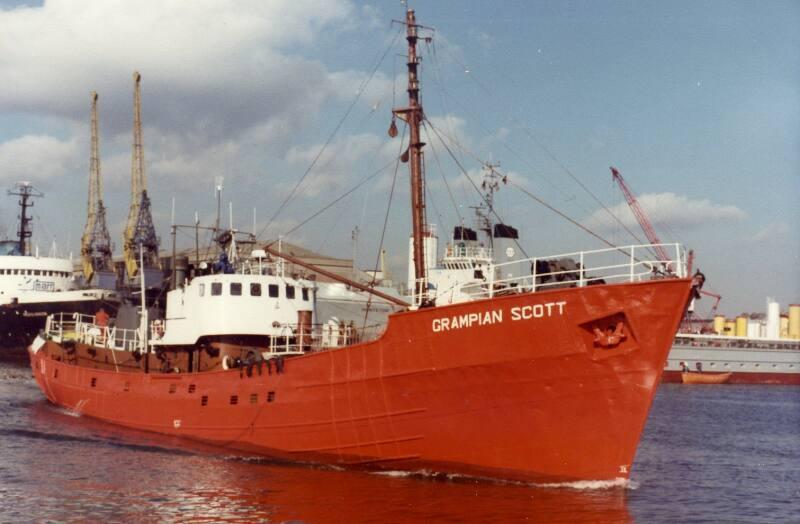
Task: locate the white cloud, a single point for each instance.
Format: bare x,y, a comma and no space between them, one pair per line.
669,209
36,157
338,164
215,67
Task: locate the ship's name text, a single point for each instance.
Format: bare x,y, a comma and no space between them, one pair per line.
495,316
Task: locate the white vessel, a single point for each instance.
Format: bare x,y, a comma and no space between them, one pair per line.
755,351
31,287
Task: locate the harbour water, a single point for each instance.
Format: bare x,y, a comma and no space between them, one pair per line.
709,454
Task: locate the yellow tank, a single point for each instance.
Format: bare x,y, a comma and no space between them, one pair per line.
784,326
719,324
794,321
741,326
730,328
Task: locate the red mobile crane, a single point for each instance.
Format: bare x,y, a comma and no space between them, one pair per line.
650,232
647,227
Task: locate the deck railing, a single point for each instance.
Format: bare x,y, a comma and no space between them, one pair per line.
634,263
462,251
298,339
292,338
62,327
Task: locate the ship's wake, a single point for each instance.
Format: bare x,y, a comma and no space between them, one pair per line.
579,485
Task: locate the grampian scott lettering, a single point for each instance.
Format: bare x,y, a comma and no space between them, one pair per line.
468,320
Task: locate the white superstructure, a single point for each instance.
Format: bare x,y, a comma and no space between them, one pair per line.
34,280
236,304
22,278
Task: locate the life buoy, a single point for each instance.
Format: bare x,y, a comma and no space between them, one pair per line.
227,362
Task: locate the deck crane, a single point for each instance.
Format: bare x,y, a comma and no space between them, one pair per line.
140,233
96,247
640,215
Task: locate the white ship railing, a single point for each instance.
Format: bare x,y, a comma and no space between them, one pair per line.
296,339
293,339
731,341
458,252
636,263
61,327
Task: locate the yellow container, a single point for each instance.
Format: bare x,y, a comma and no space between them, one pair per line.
741,326
794,321
719,324
784,326
730,328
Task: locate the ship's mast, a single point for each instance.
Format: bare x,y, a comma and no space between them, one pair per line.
96,249
490,185
140,232
413,116
25,191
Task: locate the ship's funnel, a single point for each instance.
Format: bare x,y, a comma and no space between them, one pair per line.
507,252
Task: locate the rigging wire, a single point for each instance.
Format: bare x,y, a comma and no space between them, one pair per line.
561,214
531,195
337,200
334,224
359,92
446,184
546,150
464,172
385,224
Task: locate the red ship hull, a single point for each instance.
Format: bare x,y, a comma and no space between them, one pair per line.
509,387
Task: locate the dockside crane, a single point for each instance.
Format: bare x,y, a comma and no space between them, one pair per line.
640,215
140,233
96,247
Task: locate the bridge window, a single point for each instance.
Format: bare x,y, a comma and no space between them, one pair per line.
236,289
273,290
289,291
255,290
37,272
216,288
305,294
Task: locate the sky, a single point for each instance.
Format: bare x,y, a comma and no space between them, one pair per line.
696,103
